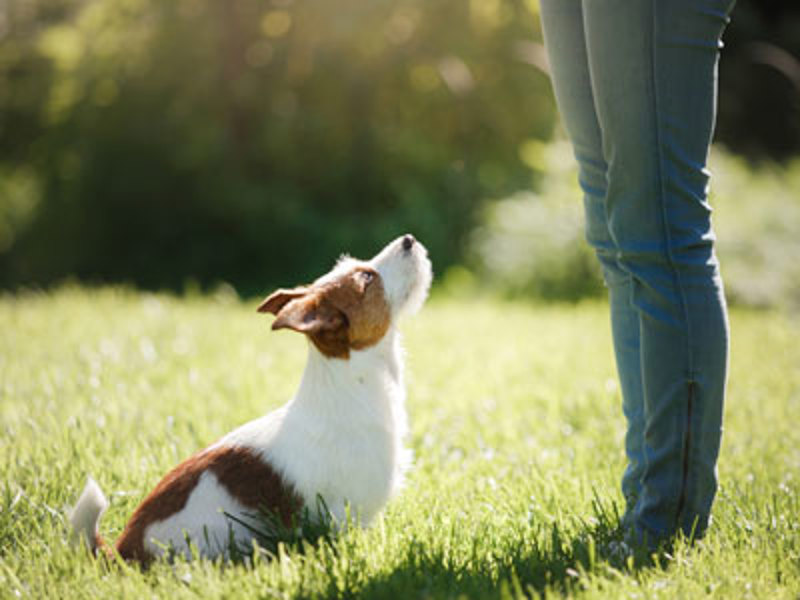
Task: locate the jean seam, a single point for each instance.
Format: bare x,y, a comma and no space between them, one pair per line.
662,192
682,500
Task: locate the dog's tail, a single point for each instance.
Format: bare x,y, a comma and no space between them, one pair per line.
85,515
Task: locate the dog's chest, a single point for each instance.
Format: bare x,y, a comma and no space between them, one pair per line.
344,460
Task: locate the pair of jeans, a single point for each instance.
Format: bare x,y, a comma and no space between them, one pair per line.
635,82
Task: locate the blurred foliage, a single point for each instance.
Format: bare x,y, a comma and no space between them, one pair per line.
757,221
253,141
181,143
759,95
532,243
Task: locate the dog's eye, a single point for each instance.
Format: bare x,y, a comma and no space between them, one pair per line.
367,276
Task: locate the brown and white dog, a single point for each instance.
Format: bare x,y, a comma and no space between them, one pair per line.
340,438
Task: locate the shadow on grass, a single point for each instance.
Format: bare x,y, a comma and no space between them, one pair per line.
525,568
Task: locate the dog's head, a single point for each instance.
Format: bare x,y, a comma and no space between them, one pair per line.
353,306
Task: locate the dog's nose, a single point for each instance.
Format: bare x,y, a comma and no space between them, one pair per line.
408,241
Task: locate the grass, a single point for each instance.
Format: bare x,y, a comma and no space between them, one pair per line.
516,427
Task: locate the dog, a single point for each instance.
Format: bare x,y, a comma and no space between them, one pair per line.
339,439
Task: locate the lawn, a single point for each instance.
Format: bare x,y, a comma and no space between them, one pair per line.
515,424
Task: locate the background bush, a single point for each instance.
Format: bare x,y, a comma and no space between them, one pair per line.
533,244
251,141
759,95
757,220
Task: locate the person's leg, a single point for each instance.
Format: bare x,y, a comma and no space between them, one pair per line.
653,72
562,23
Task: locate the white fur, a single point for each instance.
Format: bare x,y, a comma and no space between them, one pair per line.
342,434
340,437
406,276
86,513
203,522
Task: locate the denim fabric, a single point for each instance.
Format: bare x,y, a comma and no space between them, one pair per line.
636,82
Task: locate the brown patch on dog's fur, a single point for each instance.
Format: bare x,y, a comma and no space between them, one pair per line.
244,475
361,297
324,325
254,483
339,315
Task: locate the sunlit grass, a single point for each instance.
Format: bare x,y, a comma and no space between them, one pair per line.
516,429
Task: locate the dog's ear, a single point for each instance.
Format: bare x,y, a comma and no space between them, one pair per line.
279,298
310,314
324,324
